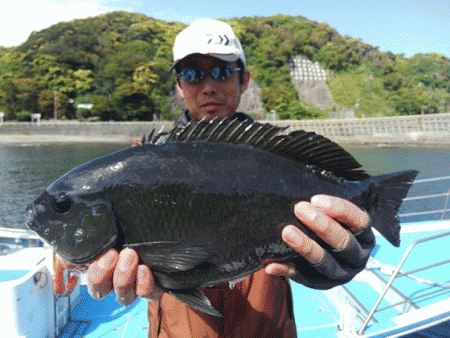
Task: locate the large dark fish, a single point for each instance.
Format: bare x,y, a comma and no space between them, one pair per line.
206,205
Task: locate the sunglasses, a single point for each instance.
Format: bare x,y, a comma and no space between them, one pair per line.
196,75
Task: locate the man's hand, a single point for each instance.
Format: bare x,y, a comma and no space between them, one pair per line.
340,224
120,272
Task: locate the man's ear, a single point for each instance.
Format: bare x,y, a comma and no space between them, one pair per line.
179,90
245,81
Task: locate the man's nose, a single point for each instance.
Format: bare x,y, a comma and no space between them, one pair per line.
209,85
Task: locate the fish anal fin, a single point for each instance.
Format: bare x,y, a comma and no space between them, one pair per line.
195,299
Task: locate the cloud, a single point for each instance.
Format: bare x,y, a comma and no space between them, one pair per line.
18,18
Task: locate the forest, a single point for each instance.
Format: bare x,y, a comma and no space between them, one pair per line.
119,62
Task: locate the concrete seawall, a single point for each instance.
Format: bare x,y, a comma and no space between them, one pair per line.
417,129
423,129
68,131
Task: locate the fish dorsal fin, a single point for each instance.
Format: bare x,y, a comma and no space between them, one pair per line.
316,151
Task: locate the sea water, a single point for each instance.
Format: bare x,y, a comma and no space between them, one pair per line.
27,169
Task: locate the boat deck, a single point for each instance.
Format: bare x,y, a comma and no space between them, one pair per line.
106,318
317,313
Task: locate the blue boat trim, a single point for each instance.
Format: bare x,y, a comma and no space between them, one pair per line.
75,329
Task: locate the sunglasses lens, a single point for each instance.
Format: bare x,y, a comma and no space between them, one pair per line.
192,75
221,73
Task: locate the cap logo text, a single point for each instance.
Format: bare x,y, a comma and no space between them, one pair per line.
218,39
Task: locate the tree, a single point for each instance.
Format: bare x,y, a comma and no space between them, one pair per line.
294,110
64,107
83,81
121,59
27,94
8,95
144,78
101,108
394,81
11,62
46,103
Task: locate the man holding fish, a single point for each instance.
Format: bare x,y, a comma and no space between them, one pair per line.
211,77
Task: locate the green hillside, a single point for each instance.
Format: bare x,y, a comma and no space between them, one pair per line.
119,62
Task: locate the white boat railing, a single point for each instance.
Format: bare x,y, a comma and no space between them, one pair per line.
427,204
445,196
397,273
12,239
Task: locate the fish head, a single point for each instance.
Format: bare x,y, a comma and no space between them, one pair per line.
78,229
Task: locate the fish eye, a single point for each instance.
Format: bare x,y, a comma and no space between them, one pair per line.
61,203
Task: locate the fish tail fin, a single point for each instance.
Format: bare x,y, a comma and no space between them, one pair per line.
386,193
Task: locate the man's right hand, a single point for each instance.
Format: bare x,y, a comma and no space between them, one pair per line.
122,273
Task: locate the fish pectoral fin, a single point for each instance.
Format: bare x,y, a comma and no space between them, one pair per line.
172,256
197,300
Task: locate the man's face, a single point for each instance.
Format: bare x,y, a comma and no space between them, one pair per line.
211,98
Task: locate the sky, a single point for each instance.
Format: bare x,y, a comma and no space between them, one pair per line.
403,27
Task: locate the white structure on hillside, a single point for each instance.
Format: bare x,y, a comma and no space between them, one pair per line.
303,70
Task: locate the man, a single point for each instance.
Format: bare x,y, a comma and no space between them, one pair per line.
211,77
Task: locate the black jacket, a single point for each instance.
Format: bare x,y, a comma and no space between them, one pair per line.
185,117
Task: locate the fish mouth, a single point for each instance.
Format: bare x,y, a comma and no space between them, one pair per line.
34,209
29,218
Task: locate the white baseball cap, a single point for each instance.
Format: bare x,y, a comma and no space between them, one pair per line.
209,37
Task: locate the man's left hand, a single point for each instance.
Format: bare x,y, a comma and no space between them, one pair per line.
341,225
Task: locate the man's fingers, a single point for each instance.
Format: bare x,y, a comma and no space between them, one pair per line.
279,269
324,216
343,211
99,275
145,284
124,279
301,243
328,229
333,220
